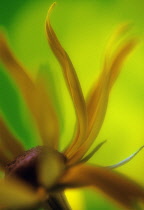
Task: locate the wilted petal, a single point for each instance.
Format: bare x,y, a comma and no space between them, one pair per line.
71,81
14,194
114,185
9,141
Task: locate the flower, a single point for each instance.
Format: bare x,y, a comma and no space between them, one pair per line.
38,177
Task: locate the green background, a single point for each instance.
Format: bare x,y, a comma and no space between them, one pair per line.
83,28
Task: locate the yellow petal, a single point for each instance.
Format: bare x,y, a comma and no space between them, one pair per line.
15,194
71,81
51,166
115,186
9,141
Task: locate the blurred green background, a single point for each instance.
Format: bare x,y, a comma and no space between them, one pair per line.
83,27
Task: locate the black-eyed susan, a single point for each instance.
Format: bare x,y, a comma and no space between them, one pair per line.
38,177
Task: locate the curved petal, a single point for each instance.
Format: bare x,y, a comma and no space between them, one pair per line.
115,186
15,194
71,81
118,34
119,57
100,113
98,99
113,69
15,68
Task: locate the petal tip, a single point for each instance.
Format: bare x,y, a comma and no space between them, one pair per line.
51,8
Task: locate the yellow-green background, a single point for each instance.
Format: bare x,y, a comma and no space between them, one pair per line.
83,28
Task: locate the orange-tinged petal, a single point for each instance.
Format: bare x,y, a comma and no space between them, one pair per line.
120,56
98,99
112,64
9,141
100,113
36,99
15,194
71,81
93,94
117,187
19,74
118,34
113,69
15,68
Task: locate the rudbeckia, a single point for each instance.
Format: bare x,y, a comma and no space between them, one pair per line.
37,178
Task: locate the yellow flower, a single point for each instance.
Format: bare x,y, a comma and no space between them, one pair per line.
38,177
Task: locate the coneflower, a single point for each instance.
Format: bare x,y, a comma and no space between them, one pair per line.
37,178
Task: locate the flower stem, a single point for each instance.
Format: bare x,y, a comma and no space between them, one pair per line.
56,201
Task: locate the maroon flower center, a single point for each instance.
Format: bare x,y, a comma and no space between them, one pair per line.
25,166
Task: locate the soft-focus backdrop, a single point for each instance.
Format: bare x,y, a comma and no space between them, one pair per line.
83,27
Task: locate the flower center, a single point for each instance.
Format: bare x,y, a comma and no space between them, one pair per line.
25,166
